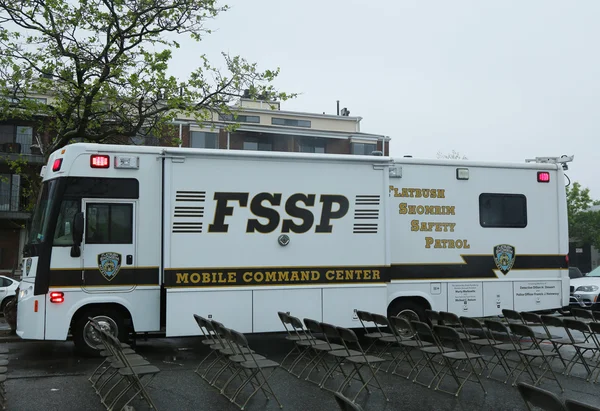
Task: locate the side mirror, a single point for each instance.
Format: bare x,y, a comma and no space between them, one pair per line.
78,224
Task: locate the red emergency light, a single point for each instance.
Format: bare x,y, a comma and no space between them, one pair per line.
56,165
99,161
57,297
543,177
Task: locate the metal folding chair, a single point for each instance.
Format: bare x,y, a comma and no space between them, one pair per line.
589,343
365,318
408,342
294,335
448,336
538,397
429,352
531,354
257,375
505,344
359,362
321,350
331,333
433,317
479,343
550,321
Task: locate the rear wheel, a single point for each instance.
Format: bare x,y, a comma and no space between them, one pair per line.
87,339
408,309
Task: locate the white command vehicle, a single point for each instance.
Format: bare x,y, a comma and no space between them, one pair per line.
141,238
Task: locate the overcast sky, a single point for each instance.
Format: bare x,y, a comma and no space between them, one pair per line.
494,80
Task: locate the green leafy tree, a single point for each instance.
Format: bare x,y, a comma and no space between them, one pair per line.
584,225
103,64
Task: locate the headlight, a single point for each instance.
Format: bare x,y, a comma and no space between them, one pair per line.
587,288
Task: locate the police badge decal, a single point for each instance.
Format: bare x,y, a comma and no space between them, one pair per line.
109,264
504,257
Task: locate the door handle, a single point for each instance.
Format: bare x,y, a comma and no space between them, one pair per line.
129,259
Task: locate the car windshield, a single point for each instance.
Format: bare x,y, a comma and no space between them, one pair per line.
41,214
594,273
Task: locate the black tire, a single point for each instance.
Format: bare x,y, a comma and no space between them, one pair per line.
106,316
407,306
5,303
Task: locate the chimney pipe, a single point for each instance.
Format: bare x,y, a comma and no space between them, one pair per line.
338,107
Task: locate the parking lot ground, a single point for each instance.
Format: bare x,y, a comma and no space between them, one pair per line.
50,376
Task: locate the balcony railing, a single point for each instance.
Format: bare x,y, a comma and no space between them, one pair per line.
19,148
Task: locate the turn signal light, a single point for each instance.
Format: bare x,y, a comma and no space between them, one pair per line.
543,177
57,297
99,161
57,164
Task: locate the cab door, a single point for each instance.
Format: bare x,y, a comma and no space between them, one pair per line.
109,245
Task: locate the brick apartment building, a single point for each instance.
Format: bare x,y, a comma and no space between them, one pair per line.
262,126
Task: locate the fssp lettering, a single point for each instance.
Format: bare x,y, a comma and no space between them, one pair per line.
263,206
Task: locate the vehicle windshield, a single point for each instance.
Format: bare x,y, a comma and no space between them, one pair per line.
594,273
41,214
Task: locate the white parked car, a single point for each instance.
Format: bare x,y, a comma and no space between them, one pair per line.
586,290
8,289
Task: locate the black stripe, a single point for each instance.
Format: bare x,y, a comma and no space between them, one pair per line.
125,276
475,266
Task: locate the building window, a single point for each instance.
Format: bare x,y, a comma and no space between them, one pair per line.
10,187
201,139
257,144
239,118
312,146
365,149
290,122
16,139
502,210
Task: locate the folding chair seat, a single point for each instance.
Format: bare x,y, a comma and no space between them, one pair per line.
574,405
338,356
345,404
582,315
539,397
505,344
529,355
448,336
256,375
314,329
367,317
452,320
429,352
359,362
407,341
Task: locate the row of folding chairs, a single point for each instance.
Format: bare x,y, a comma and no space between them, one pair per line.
230,359
548,401
504,344
582,335
122,375
326,348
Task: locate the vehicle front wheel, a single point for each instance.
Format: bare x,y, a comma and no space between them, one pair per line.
87,340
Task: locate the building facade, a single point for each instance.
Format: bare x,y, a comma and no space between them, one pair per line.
259,125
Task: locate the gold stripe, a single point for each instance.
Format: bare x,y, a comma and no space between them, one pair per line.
95,268
307,284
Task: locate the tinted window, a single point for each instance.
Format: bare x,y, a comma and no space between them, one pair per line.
574,273
109,224
63,234
503,210
290,122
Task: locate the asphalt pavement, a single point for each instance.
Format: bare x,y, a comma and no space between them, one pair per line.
50,376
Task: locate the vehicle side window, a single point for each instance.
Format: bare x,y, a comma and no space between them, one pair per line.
502,210
63,234
109,224
5,282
